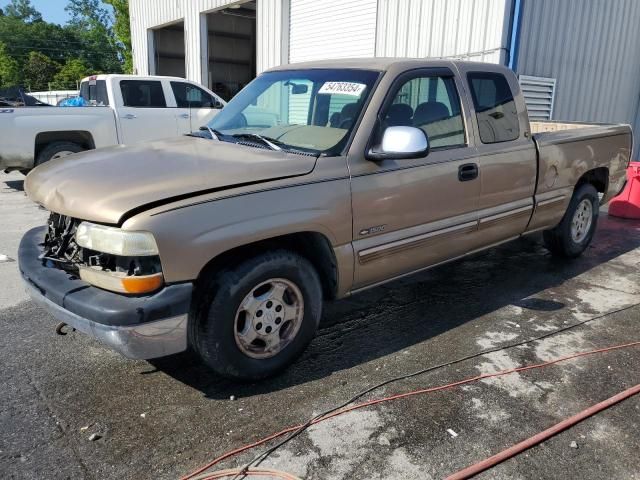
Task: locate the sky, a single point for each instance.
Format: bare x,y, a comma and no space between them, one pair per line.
51,10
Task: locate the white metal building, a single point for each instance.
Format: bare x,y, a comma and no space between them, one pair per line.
577,59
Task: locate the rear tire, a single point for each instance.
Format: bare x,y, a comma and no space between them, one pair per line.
57,150
253,320
574,233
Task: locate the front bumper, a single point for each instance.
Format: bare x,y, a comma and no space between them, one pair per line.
140,327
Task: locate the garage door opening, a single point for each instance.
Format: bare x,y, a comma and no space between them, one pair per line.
169,52
231,48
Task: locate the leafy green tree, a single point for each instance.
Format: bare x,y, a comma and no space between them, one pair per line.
9,69
58,43
92,23
122,31
38,71
93,37
23,10
69,75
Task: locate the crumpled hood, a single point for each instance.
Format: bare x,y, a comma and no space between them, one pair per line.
103,185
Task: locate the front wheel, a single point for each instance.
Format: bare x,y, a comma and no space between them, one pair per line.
253,320
574,233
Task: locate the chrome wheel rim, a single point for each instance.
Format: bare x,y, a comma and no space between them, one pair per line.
61,154
268,318
582,220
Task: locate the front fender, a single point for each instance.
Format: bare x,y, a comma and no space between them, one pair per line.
189,236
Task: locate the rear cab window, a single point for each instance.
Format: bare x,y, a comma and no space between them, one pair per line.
94,93
495,107
142,94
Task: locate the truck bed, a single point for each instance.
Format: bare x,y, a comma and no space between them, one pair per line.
566,151
22,129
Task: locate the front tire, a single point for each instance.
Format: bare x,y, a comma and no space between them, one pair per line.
256,318
574,233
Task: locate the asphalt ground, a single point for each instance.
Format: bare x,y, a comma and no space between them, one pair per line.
163,419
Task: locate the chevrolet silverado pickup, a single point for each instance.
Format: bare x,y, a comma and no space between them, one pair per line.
226,242
121,109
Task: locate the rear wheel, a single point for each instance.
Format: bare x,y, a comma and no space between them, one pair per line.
58,150
253,320
574,233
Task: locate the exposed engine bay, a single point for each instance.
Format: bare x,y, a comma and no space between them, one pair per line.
62,251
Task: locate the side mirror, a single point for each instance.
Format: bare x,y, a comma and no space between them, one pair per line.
400,143
218,104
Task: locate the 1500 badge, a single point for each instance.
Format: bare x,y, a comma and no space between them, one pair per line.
370,230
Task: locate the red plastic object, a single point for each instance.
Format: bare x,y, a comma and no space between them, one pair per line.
627,204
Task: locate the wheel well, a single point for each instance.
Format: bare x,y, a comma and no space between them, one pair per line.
314,246
81,137
598,177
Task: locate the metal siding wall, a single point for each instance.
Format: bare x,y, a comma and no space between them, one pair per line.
467,29
147,14
272,33
331,29
591,47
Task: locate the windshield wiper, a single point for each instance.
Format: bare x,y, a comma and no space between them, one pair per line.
215,134
269,142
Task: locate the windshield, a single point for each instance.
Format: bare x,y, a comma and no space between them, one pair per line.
309,110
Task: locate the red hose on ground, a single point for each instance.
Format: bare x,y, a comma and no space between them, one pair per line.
357,406
542,436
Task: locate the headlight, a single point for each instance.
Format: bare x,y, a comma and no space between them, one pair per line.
115,240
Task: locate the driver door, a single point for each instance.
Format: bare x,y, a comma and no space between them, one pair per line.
409,214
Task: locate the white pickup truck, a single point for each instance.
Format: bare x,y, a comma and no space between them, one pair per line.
123,109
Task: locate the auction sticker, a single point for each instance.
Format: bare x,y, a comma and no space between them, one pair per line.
343,88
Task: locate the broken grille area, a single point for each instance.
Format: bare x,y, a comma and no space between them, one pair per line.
59,242
62,251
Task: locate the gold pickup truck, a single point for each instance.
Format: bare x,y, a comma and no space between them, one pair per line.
318,180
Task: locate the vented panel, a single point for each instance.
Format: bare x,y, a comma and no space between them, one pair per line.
538,94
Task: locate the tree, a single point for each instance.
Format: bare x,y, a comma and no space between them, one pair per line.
122,31
23,10
92,23
58,43
39,70
9,69
69,75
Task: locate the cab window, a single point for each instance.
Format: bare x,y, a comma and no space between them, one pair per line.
142,94
430,103
495,108
94,92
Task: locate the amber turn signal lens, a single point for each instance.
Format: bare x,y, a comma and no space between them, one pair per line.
144,284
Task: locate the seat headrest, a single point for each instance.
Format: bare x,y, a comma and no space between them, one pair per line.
399,114
429,112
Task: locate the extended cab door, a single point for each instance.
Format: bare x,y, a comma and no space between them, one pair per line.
506,152
143,114
412,213
195,106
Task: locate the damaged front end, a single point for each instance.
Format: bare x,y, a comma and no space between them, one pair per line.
106,257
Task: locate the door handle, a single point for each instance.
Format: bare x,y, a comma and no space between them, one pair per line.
184,115
129,116
467,172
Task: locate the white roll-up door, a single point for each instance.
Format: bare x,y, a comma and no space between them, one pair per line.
331,29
